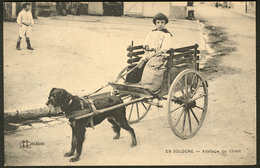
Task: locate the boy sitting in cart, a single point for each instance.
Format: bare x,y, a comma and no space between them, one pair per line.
158,41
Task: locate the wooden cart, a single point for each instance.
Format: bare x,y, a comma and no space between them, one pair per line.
183,87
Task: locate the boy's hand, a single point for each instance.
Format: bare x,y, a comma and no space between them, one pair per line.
146,48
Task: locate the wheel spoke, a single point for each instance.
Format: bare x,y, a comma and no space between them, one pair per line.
186,84
184,119
130,112
177,108
193,78
200,96
181,89
189,120
194,116
179,117
200,108
192,82
123,78
195,91
144,106
137,110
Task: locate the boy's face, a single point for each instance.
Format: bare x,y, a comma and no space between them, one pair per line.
160,24
28,7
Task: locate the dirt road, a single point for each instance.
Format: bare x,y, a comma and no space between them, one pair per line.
73,52
228,134
233,89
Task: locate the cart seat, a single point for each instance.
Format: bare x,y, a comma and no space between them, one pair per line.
132,89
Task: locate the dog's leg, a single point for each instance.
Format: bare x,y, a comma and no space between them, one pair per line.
115,127
124,125
80,136
73,144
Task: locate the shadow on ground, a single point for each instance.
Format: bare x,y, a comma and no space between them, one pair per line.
220,43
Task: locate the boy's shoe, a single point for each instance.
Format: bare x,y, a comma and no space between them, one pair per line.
18,46
30,48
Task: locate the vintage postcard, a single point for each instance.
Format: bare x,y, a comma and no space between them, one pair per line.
129,83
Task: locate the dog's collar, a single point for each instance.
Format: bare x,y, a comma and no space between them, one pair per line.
70,101
81,104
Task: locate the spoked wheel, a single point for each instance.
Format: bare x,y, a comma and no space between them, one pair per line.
121,79
187,103
137,111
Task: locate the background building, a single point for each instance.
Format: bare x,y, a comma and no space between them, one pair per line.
174,10
248,7
12,9
177,10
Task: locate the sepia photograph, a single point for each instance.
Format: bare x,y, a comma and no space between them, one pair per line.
120,83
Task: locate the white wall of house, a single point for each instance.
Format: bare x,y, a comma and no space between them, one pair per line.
133,8
152,8
173,10
146,9
13,9
180,3
95,8
244,6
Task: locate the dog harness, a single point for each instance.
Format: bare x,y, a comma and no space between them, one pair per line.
87,106
92,107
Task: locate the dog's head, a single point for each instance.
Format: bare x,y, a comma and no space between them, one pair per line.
58,97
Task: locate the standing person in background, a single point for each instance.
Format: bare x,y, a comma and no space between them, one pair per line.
25,21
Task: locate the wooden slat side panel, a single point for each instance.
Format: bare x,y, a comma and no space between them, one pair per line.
130,48
130,54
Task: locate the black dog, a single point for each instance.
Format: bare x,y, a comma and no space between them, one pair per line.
69,103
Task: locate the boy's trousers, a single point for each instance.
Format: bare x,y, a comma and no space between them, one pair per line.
25,31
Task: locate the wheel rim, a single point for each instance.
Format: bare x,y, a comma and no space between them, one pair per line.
187,103
121,79
137,111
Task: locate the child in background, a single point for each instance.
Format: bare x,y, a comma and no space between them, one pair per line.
25,21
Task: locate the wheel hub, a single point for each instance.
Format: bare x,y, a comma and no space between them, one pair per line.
191,103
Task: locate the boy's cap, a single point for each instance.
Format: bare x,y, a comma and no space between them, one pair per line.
160,16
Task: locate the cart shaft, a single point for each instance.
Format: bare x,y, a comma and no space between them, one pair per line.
110,108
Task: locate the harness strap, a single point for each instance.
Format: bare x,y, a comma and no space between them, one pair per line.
81,104
91,105
102,87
